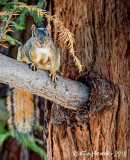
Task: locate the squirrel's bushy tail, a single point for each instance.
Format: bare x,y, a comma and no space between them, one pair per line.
23,111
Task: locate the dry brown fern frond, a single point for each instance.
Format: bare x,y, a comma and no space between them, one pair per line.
65,34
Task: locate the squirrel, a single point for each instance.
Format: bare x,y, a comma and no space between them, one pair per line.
38,52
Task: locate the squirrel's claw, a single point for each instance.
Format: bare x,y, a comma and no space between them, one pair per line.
54,79
59,73
24,61
33,66
49,74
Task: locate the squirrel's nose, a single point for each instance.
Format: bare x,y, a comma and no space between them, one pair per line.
42,40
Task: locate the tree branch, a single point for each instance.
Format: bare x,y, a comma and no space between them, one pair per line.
67,93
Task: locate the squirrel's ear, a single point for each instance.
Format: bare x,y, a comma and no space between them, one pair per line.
33,28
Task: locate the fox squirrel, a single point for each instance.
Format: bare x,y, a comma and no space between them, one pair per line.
38,52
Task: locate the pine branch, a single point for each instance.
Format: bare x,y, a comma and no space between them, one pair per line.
10,17
4,13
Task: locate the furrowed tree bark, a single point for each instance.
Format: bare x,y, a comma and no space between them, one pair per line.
65,92
102,45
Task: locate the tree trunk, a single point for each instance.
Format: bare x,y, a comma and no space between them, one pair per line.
102,45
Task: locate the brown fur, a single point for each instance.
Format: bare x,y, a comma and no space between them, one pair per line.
24,108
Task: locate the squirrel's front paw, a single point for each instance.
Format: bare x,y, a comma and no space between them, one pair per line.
54,79
33,66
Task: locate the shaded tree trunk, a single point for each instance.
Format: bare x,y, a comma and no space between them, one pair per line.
102,45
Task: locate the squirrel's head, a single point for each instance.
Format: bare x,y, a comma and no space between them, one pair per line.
40,34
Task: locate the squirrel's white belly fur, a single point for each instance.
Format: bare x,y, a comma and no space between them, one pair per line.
42,53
